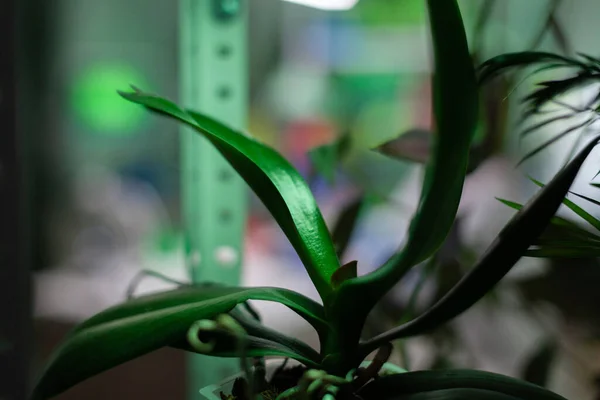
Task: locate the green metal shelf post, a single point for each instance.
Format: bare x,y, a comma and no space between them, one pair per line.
213,81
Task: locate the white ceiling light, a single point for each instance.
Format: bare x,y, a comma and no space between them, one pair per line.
331,5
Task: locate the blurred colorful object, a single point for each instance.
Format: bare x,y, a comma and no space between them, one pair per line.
95,101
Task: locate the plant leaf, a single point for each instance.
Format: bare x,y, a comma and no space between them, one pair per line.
345,272
326,159
274,180
502,63
311,311
411,383
135,328
547,121
586,216
563,252
595,202
346,224
456,100
553,140
413,145
514,240
552,89
560,228
456,114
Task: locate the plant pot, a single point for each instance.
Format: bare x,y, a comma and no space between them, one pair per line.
213,392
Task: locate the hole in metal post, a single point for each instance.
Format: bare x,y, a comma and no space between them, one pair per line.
226,256
225,216
225,175
224,92
224,50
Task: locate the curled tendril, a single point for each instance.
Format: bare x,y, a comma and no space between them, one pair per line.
223,324
194,334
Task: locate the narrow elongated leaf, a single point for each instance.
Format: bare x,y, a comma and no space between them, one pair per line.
510,245
547,121
428,381
554,140
274,180
555,251
586,216
593,62
456,112
456,100
560,229
133,329
505,62
305,307
595,202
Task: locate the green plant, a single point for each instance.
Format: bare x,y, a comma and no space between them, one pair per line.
584,72
562,238
206,318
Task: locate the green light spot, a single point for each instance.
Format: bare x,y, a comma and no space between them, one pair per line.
96,103
389,13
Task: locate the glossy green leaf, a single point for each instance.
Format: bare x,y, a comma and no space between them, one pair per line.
148,323
510,245
303,306
455,110
274,180
412,383
455,97
456,113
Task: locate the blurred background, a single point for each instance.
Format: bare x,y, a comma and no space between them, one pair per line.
107,175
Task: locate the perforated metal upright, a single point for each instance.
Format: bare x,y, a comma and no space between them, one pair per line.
213,81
